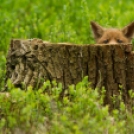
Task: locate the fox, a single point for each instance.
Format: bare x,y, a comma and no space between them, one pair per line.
112,35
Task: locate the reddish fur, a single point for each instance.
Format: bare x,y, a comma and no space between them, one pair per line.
112,36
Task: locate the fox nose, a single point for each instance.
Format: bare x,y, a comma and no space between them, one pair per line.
113,42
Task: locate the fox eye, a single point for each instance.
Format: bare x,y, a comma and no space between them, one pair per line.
119,41
106,41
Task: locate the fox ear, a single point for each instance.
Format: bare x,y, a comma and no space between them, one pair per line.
128,30
97,29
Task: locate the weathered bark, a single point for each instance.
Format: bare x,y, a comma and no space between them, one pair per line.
33,61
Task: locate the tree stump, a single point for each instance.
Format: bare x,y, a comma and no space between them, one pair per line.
33,61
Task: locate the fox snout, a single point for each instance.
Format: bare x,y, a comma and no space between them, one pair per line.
112,35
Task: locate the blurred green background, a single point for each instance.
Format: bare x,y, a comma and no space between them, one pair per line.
58,20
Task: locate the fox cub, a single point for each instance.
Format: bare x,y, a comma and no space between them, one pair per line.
112,35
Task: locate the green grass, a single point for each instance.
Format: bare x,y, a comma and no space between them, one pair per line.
82,112
60,21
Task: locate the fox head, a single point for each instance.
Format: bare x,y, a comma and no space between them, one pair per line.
112,35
